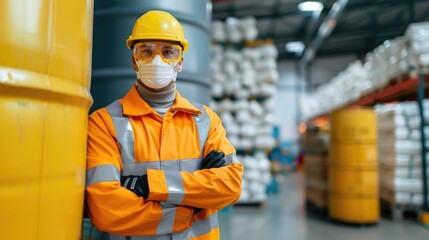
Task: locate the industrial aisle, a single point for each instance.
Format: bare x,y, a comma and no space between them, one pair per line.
285,218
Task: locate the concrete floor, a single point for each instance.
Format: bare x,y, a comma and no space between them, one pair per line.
285,217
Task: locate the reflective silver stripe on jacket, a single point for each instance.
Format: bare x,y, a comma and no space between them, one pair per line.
124,132
199,228
137,168
175,187
108,172
203,126
102,173
168,216
231,158
204,226
125,138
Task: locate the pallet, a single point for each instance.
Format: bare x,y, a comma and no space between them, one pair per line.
317,197
399,211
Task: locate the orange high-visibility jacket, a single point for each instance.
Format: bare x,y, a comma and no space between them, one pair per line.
129,138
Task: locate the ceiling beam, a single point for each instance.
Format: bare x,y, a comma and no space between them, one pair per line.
266,14
290,9
325,29
354,34
273,23
351,35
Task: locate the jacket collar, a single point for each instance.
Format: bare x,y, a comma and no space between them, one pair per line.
134,105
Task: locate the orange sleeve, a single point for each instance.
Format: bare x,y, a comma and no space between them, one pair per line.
115,209
213,188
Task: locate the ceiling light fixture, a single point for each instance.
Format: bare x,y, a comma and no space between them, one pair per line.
308,6
295,47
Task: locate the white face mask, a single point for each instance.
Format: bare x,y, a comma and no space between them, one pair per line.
156,74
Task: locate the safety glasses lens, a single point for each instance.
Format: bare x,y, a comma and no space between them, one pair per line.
147,51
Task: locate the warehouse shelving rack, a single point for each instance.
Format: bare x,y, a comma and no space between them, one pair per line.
401,91
394,92
415,87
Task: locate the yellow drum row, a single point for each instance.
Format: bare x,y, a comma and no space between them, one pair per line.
353,173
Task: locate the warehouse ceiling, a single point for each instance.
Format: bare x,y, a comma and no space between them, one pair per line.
359,28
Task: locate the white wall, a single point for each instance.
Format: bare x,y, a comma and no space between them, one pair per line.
287,112
287,101
324,69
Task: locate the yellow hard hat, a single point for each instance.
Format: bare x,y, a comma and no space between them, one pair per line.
157,25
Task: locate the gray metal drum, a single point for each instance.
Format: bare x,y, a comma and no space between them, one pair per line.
112,71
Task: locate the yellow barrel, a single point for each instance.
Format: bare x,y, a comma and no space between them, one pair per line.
45,66
354,209
353,170
354,124
353,181
353,154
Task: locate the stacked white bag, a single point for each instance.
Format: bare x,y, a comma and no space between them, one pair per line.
386,63
394,60
418,39
399,151
256,177
235,30
243,93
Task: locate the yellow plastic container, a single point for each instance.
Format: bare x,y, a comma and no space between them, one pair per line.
45,68
353,181
355,125
354,209
353,155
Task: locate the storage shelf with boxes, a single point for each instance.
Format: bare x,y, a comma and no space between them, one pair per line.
400,157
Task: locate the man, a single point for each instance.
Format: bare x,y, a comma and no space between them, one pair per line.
158,166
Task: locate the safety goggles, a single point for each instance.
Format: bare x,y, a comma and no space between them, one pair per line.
146,51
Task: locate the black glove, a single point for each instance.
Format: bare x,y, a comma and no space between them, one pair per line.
213,160
136,184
